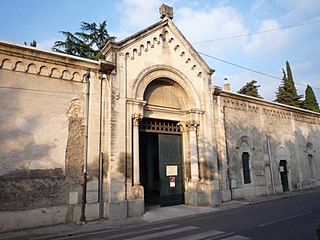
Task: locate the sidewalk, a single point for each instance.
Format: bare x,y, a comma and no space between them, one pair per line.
153,214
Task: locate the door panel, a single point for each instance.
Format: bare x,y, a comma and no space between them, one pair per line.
170,168
284,175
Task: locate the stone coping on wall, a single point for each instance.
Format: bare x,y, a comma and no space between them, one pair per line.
272,109
21,58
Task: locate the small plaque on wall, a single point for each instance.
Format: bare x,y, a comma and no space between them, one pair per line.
172,170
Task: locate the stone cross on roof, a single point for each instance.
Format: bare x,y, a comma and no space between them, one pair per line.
166,11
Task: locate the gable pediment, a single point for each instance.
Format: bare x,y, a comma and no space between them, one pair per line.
160,41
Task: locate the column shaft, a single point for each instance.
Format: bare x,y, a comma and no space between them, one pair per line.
136,157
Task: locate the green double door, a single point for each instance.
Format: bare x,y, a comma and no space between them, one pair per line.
161,168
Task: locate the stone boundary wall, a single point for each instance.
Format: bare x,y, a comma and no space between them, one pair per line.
42,129
245,124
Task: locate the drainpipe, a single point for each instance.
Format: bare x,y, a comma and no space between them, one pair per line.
126,130
227,154
84,173
100,188
270,165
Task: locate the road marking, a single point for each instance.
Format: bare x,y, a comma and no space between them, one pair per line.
222,235
75,235
161,234
201,235
236,237
284,219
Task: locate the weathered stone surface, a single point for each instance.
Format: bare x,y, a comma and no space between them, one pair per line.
249,123
60,113
15,220
28,193
118,210
136,207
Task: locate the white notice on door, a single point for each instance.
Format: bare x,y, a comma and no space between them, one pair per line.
172,170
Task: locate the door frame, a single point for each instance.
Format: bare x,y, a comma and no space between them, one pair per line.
283,169
166,127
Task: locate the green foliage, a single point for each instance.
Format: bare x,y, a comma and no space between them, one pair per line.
32,44
287,92
250,89
87,43
310,101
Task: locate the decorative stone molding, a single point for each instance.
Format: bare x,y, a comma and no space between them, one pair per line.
192,125
158,39
269,111
42,69
241,105
136,119
196,111
272,112
250,148
166,11
307,119
35,61
151,73
106,67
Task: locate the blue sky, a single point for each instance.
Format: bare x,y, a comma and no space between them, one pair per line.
200,21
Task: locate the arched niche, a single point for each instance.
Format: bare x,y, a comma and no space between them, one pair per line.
282,153
244,144
166,93
245,150
171,78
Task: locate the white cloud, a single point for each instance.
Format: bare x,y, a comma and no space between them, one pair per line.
137,14
212,23
202,21
271,43
46,44
299,10
257,5
267,89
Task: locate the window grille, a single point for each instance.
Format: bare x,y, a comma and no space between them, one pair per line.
159,126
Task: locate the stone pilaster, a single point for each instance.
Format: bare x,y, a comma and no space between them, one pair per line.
136,158
194,158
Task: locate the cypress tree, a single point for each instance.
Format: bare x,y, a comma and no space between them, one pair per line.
310,101
287,92
250,89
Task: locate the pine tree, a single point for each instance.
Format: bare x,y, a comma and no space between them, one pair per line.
88,43
287,92
310,101
250,89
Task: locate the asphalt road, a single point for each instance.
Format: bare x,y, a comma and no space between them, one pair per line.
290,218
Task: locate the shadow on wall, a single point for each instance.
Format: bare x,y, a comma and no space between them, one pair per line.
29,176
247,135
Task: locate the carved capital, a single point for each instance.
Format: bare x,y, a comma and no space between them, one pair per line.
136,118
192,125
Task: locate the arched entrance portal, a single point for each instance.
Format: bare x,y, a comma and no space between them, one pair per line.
165,159
161,162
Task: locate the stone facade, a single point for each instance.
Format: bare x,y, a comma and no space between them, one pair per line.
71,144
43,137
256,126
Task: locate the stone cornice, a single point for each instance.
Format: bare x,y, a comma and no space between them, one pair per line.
265,103
157,34
31,60
270,109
